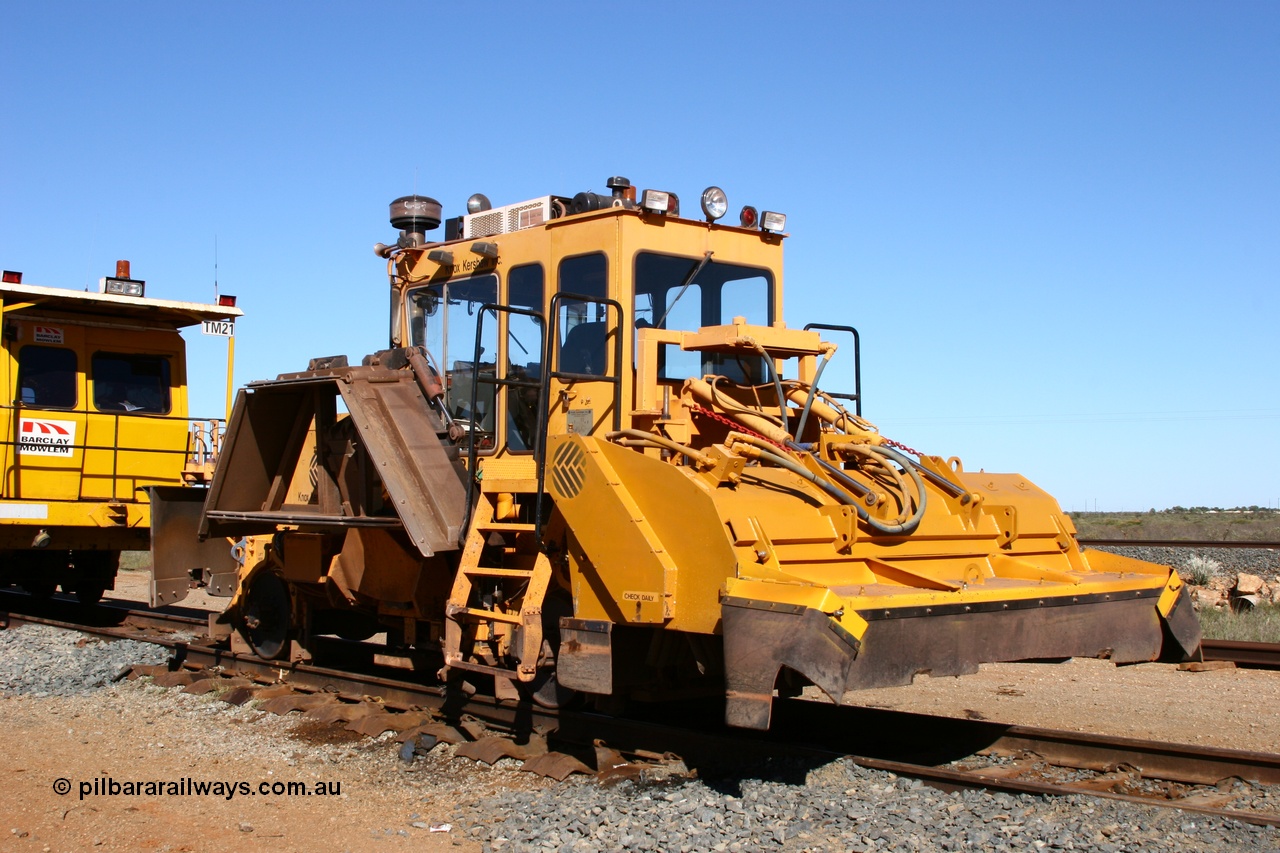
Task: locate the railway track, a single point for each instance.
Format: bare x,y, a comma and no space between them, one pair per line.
943,752
1252,655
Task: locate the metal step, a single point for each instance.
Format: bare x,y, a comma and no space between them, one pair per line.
506,527
496,572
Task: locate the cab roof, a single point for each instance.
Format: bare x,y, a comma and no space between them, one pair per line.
166,311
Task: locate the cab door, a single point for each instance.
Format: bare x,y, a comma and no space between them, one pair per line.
586,354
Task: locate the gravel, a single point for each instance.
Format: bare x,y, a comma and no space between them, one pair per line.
1256,561
840,807
44,661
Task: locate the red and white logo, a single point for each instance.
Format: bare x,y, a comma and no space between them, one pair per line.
46,438
48,335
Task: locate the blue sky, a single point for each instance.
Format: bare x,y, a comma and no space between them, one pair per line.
1056,225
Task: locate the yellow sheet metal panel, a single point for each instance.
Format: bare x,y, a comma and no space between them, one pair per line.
650,545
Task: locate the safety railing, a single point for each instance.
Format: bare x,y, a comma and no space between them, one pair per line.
504,382
199,455
856,396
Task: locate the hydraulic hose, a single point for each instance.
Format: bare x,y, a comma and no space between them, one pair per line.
813,389
777,379
766,451
898,528
661,441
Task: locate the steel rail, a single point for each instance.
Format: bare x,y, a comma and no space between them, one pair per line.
1254,655
108,612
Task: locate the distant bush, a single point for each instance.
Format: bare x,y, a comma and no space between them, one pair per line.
1200,570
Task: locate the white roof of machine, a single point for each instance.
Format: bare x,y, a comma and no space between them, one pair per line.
178,314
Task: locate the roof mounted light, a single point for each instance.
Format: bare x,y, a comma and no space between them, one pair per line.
655,201
226,300
714,203
123,286
443,257
773,221
749,217
478,203
485,249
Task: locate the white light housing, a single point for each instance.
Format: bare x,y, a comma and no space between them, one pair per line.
714,203
478,203
123,286
772,221
655,201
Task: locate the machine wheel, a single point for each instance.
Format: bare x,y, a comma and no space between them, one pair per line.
264,617
546,692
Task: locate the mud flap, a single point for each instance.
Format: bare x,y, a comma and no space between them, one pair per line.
762,637
176,552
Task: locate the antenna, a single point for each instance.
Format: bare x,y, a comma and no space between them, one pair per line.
215,269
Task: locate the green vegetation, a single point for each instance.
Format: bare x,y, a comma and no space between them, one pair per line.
135,561
1200,570
1260,625
1242,524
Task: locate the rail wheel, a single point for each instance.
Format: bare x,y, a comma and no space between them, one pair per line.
264,616
546,691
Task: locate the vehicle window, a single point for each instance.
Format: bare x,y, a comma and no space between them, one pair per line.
130,383
668,299
525,286
583,326
47,377
443,318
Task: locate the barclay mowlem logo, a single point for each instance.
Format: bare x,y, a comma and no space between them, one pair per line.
47,438
48,335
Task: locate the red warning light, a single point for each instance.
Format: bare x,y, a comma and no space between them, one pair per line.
11,277
226,300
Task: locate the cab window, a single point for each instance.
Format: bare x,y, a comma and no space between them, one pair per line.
673,293
47,377
443,318
131,383
583,326
524,356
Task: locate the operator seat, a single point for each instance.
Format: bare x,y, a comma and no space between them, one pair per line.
583,350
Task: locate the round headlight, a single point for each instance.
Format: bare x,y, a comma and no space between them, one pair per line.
478,203
714,203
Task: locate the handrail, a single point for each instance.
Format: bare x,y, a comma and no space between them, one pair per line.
857,363
495,381
200,432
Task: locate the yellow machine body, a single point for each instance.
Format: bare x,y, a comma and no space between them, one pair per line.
651,493
95,418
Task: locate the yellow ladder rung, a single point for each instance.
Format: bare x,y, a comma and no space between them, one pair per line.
482,572
492,615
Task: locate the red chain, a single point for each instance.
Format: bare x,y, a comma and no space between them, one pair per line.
698,410
901,446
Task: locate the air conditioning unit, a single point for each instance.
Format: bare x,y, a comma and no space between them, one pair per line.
504,220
